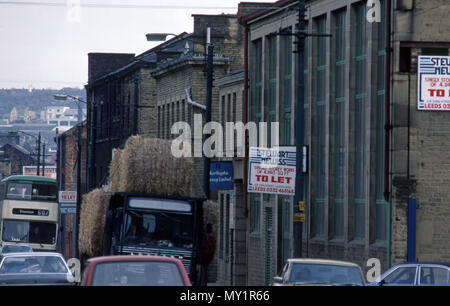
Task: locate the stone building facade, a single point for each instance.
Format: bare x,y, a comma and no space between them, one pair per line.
120,102
372,153
148,93
420,158
181,82
232,232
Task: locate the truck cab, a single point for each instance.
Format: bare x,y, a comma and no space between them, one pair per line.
149,224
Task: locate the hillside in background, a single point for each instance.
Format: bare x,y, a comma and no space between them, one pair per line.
36,99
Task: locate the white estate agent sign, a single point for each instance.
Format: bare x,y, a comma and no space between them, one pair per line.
272,170
434,83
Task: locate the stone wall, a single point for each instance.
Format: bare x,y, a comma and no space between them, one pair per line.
421,159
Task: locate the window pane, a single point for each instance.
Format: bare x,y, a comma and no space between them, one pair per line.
402,275
360,100
434,276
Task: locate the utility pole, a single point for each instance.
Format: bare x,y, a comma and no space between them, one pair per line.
38,155
299,131
43,159
209,81
299,204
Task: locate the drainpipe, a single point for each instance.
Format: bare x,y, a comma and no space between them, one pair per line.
187,90
136,102
388,126
92,138
245,116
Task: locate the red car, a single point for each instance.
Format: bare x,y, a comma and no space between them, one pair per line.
134,270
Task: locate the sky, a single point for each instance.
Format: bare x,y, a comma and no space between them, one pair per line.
44,43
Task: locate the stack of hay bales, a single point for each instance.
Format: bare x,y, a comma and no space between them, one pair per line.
147,165
144,165
92,222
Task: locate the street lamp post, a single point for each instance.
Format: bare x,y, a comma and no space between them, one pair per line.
78,184
158,36
64,98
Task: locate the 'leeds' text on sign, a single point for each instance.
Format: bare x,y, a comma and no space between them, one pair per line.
434,83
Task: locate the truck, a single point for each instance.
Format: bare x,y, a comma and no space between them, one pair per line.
152,224
149,208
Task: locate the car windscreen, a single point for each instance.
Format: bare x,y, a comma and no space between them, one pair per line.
325,274
32,264
137,273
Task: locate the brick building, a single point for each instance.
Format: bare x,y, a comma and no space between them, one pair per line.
373,154
69,158
15,157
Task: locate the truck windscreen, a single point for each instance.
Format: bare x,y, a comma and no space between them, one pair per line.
162,229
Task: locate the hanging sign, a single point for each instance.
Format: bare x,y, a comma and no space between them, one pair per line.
272,170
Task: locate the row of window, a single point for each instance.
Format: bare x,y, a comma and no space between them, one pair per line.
170,113
337,129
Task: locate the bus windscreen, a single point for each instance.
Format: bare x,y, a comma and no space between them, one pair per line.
29,232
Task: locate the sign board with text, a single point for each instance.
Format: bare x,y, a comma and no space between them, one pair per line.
272,170
221,176
47,171
67,197
433,83
67,202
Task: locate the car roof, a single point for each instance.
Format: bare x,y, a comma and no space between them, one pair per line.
15,245
422,263
34,254
112,258
322,261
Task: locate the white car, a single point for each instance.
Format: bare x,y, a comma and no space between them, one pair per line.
15,248
35,268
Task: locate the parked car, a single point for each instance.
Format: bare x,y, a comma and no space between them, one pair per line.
415,274
35,268
14,248
134,270
304,271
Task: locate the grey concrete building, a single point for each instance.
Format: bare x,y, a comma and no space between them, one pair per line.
373,157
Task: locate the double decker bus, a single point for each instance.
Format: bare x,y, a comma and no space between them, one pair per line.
29,211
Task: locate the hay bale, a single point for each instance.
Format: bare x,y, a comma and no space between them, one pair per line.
92,222
114,170
147,165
